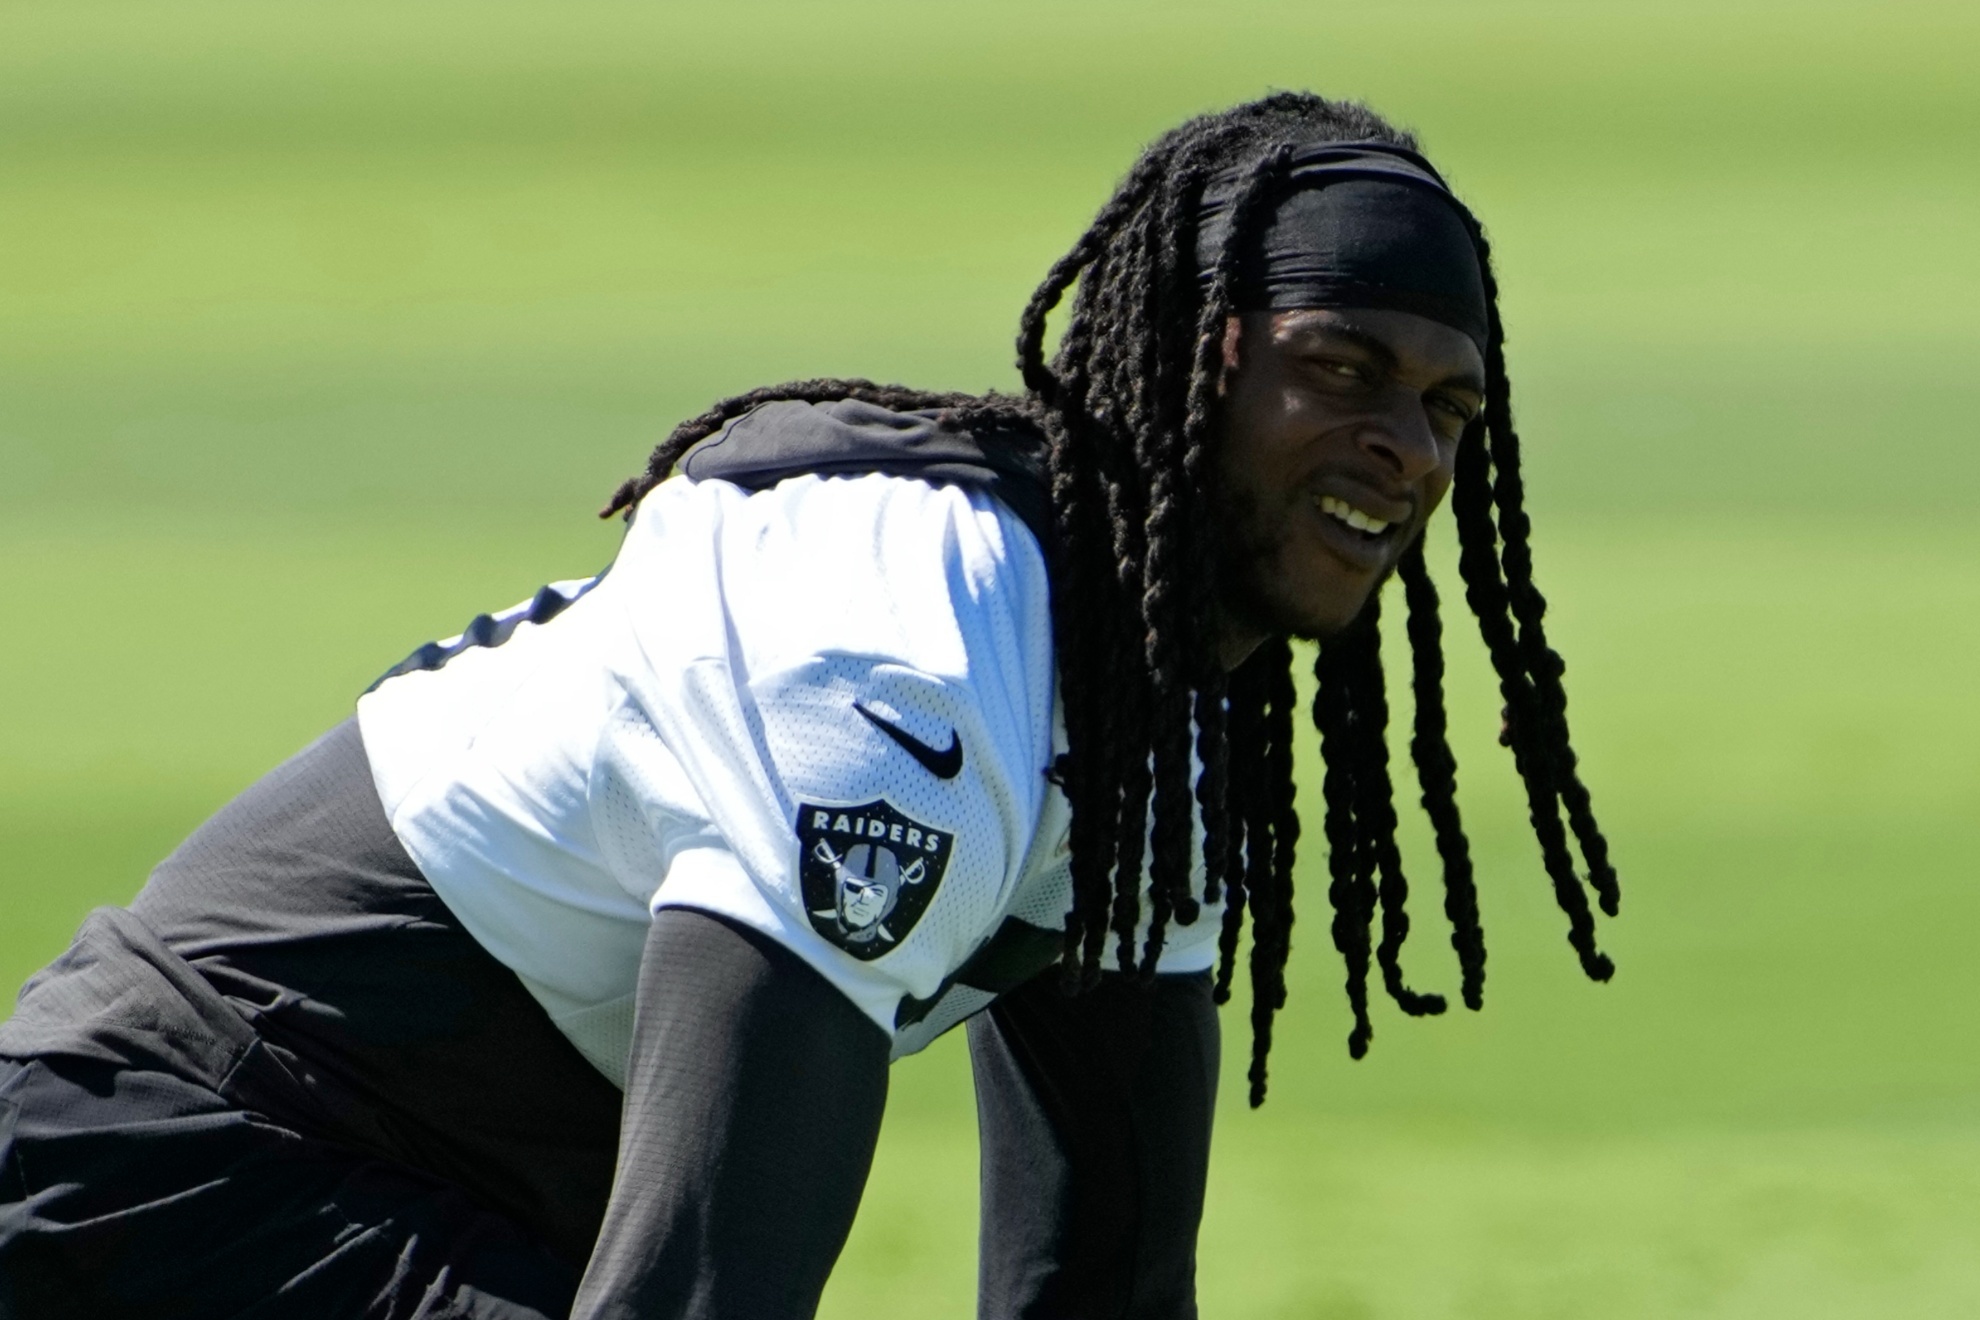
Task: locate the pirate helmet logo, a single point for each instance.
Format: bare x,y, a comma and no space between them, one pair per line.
868,872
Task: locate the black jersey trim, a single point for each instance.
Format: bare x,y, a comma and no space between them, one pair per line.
788,438
1009,958
488,630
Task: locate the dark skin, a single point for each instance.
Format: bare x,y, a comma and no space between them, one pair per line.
1339,440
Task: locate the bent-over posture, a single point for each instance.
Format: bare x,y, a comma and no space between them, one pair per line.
564,977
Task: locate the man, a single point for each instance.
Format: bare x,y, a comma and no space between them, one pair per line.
565,977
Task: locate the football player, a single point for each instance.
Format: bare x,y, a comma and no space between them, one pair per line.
564,977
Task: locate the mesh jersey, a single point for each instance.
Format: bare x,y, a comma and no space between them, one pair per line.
823,709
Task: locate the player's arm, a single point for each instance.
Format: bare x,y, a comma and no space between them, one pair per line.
753,1100
1095,1113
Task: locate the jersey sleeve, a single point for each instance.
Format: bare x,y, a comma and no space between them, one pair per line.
858,770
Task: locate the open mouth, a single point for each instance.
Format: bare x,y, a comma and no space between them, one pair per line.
1362,523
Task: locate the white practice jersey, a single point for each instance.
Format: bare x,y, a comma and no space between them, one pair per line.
824,710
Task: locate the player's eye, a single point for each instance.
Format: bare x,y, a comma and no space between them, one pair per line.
1343,369
1453,407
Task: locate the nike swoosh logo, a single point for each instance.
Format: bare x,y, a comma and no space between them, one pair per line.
945,764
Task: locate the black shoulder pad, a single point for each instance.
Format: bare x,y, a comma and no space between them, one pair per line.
846,437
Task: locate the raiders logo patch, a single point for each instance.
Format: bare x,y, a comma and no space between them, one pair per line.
868,873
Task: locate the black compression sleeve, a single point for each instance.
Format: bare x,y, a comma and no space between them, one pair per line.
1095,1113
753,1101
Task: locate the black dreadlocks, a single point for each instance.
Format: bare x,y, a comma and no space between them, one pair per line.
1128,409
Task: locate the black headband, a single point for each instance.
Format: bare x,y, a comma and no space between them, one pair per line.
1356,224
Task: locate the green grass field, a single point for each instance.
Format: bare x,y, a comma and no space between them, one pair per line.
323,329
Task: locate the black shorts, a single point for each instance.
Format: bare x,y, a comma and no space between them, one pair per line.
288,1083
138,1193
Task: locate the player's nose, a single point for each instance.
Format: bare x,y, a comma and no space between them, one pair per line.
1401,439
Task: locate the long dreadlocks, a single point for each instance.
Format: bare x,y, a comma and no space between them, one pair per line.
1128,408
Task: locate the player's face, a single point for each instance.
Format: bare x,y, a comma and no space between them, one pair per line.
1340,436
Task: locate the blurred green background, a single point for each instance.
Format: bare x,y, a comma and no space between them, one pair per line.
323,328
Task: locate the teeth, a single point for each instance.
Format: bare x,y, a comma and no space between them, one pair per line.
1353,517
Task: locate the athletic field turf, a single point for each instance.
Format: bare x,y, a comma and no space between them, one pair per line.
321,332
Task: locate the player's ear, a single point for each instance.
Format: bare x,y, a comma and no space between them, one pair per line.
1233,329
